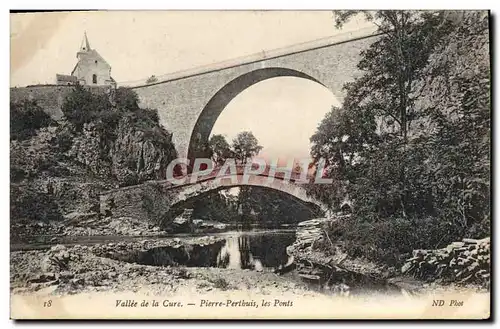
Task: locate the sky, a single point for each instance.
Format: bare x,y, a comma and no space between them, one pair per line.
138,44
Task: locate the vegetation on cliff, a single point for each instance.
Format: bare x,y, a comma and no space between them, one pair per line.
102,142
410,145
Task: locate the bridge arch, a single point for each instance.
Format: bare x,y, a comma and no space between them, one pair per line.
296,191
219,101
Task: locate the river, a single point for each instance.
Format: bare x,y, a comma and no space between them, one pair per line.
258,250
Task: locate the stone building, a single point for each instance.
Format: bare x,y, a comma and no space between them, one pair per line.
91,69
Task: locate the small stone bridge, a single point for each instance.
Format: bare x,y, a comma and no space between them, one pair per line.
154,199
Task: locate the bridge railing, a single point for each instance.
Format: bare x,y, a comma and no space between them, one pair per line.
256,57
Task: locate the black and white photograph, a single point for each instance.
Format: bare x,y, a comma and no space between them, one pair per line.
250,164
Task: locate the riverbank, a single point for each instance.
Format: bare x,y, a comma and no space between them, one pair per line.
461,266
78,269
85,281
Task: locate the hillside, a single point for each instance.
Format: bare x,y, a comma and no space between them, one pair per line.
58,168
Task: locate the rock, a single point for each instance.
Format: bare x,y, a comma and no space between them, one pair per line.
80,218
45,277
197,222
406,267
58,248
459,262
309,277
181,225
220,226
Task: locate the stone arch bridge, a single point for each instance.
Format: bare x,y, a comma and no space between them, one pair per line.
189,102
153,200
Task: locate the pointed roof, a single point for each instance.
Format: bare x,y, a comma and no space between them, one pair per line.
92,54
85,46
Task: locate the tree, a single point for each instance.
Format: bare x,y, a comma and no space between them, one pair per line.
82,106
152,79
26,118
410,143
386,93
458,87
126,98
245,146
220,149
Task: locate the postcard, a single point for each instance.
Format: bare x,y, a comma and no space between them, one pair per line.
250,165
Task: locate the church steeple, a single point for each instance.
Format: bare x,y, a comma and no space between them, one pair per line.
85,46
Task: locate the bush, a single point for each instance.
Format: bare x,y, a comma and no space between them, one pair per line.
26,118
82,106
388,241
126,99
28,204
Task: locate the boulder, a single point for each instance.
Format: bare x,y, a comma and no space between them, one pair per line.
181,225
462,262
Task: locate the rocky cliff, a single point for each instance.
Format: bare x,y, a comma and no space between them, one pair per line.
137,153
58,171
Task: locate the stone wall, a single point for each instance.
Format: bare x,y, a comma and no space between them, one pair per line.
49,97
149,201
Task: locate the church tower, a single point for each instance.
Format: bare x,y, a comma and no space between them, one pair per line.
91,69
85,46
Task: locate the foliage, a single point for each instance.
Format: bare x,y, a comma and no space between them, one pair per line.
82,106
250,206
274,205
459,93
97,139
410,143
125,98
29,204
152,79
220,149
215,206
245,146
26,118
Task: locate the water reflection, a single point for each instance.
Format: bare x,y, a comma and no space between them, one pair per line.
259,251
256,252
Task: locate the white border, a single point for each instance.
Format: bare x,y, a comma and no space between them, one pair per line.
180,5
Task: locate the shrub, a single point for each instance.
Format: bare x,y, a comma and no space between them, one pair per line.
390,240
28,204
26,118
126,99
82,106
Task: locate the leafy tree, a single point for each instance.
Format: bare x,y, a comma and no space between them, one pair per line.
275,206
410,143
380,108
245,146
459,90
126,98
82,106
220,149
215,206
26,118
